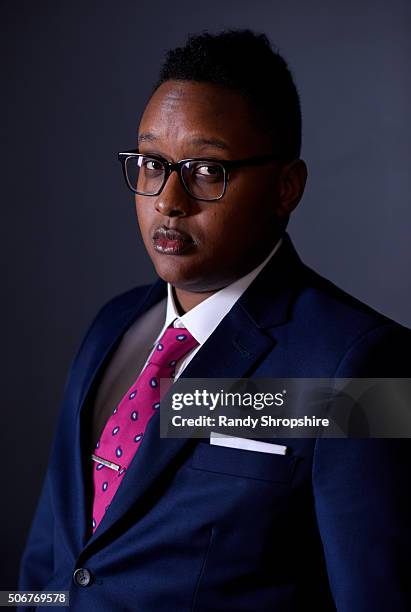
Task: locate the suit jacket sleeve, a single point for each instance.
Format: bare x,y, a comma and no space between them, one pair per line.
37,562
36,566
362,493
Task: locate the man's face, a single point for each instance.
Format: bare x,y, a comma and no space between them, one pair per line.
231,236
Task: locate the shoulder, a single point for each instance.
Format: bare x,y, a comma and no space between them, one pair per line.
314,318
114,311
331,303
367,339
124,301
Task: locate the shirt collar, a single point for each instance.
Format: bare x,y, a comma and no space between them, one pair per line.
202,320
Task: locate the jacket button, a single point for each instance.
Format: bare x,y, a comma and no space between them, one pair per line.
82,577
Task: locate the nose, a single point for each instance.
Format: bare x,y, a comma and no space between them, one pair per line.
173,201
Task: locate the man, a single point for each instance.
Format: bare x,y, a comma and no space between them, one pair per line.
179,525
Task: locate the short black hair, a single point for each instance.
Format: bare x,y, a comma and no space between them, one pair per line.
244,61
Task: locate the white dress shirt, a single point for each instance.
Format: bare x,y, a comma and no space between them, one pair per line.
139,341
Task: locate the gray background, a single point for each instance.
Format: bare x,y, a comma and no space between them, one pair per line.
75,78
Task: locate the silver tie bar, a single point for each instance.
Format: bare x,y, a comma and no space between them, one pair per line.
109,464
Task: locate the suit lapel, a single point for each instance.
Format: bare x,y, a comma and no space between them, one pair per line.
70,455
239,341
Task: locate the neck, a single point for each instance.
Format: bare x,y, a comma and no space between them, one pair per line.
186,300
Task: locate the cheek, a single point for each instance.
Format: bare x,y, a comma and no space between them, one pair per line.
143,217
214,227
138,207
256,204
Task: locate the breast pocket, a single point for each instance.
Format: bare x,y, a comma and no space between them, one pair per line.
244,463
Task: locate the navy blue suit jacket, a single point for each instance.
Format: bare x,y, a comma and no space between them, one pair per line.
197,527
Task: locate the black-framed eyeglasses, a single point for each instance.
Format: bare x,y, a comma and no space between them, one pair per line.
202,178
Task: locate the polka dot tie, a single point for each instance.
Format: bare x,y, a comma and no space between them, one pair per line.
124,430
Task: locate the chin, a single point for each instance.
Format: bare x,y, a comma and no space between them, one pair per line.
183,277
170,270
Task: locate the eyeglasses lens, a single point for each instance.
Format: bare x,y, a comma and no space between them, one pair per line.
145,174
204,180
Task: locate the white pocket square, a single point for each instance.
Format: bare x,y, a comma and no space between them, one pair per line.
246,444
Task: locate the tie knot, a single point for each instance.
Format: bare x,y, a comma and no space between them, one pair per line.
172,346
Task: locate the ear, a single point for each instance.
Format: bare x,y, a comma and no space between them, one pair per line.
292,180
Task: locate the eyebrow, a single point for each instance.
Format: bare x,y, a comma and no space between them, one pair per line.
214,142
146,137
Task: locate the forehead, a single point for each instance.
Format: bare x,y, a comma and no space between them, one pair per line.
187,112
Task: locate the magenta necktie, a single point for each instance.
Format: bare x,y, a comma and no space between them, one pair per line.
124,430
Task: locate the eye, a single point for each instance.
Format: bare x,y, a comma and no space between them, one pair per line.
151,165
208,171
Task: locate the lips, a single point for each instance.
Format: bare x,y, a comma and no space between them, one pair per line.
171,241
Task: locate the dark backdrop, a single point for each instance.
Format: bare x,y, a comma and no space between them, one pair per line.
75,77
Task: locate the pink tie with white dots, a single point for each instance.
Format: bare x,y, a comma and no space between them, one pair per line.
124,430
